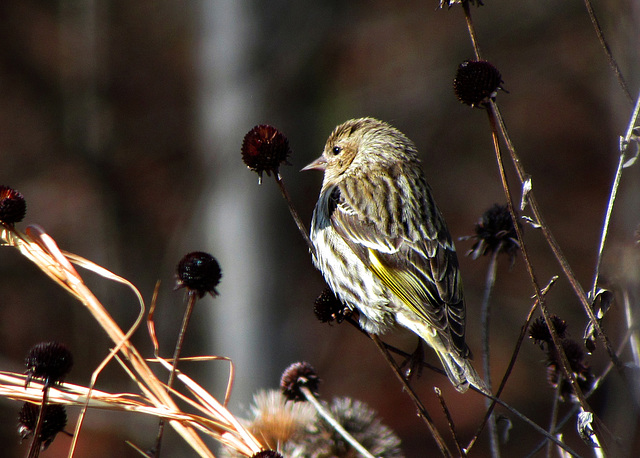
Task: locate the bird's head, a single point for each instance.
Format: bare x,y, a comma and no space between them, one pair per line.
361,144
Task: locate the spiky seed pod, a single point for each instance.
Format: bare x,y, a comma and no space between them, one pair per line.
578,365
54,421
361,422
476,81
296,376
264,149
13,207
495,232
329,308
199,272
539,332
50,361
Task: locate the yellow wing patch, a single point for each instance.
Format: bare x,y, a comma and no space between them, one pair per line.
404,284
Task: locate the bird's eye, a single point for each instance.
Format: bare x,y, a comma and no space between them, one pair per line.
336,150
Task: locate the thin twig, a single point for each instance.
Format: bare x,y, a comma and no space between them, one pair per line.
485,313
553,244
564,363
554,412
192,296
624,146
36,443
471,28
421,409
607,49
294,214
452,426
512,362
334,423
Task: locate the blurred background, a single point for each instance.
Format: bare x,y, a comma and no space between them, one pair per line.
121,123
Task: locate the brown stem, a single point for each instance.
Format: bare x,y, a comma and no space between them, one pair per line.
607,49
192,296
494,115
294,213
421,409
564,363
452,426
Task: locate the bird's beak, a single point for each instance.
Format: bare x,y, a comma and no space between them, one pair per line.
318,164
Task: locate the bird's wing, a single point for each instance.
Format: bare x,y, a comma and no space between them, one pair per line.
414,259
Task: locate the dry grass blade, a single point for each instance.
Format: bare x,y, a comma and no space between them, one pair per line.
42,250
240,437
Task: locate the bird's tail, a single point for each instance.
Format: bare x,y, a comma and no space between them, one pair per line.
460,372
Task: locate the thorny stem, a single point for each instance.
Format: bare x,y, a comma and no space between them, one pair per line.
564,363
485,315
624,146
192,296
334,423
421,409
294,214
607,50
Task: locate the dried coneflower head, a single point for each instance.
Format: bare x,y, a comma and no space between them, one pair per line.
264,149
54,421
579,367
539,332
277,421
50,361
13,207
361,422
296,376
329,308
476,81
199,272
495,233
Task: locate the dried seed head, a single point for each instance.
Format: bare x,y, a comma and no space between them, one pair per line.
539,331
50,361
361,422
264,149
12,206
495,233
329,308
199,272
579,367
476,81
267,454
54,421
296,376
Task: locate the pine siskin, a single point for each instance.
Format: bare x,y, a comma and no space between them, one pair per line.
383,246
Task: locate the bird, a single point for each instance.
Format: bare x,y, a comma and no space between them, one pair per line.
383,246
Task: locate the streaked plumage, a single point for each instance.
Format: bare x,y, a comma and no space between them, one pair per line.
382,244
